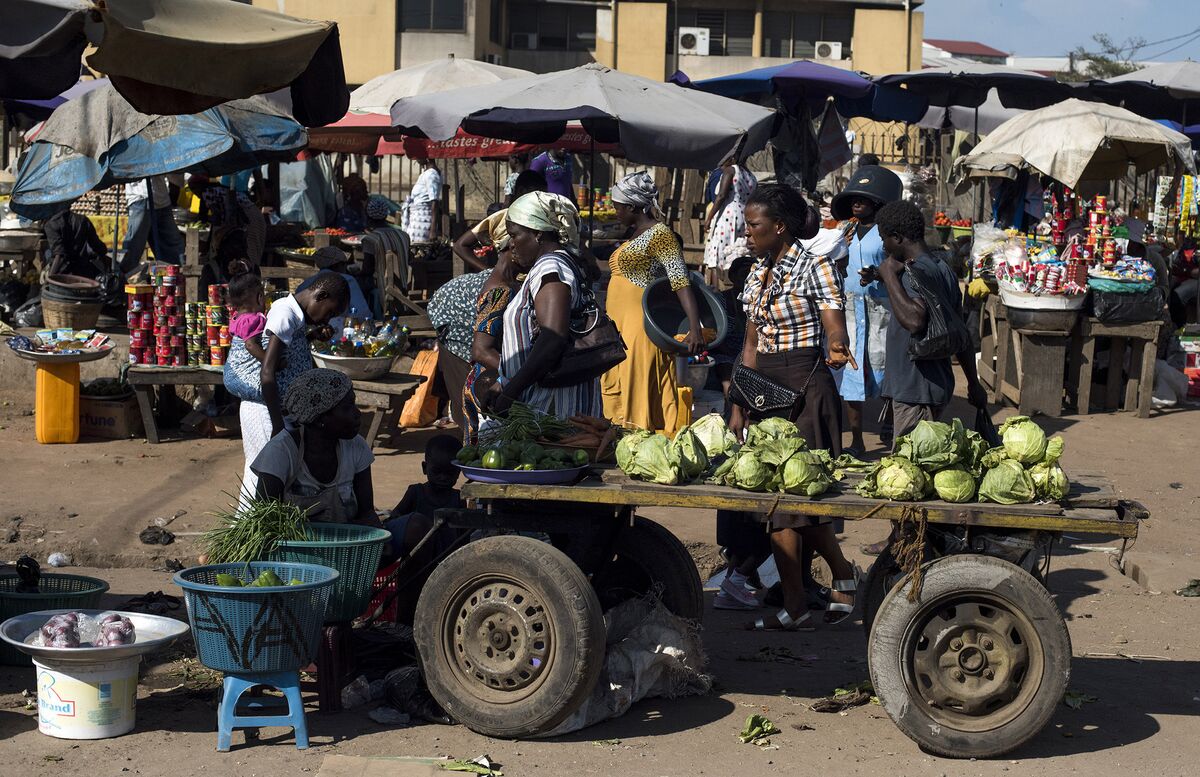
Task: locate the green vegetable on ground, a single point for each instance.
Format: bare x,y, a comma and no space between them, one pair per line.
757,727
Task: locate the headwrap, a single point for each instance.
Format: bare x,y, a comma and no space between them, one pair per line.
329,256
639,191
546,212
378,208
315,393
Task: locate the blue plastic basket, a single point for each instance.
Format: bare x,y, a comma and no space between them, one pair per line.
354,551
273,629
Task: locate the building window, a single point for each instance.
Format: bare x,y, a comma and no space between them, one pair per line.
551,27
730,33
795,35
431,15
496,22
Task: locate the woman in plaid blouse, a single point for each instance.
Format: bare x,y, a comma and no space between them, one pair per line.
794,304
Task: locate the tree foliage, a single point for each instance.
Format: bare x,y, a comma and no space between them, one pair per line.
1107,60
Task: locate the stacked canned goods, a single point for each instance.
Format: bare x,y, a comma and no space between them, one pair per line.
216,316
141,323
156,319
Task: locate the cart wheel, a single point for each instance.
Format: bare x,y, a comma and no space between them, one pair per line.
976,667
882,575
645,554
510,635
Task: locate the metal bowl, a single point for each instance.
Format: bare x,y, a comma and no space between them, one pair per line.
1023,319
150,633
528,477
356,367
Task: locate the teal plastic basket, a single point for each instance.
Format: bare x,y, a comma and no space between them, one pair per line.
242,630
58,592
354,551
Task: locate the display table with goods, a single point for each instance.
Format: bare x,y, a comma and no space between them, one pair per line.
973,530
58,354
381,395
1055,296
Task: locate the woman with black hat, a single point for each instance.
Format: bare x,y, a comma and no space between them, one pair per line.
867,307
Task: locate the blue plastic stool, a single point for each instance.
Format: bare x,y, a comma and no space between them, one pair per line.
237,684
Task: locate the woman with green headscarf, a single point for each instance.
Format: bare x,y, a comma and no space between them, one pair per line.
544,232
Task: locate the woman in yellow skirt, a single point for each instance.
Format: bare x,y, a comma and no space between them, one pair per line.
642,390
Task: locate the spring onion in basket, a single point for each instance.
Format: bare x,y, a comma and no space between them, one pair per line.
251,534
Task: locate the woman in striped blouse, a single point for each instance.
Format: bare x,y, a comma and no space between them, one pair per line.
794,302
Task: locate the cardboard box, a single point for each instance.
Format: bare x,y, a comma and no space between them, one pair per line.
110,418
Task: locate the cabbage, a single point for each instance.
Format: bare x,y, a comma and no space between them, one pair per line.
954,485
896,478
771,429
1023,439
750,473
804,473
626,447
1054,450
1049,481
713,434
933,445
653,458
976,447
1007,483
775,452
993,457
693,459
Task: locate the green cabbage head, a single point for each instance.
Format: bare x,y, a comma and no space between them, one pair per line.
896,478
771,429
693,458
1023,439
804,473
649,457
713,434
954,485
749,472
1049,481
1007,483
933,445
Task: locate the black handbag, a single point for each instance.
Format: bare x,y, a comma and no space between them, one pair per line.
945,333
595,348
763,396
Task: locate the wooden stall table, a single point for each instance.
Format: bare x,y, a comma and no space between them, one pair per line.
1138,389
385,394
1023,365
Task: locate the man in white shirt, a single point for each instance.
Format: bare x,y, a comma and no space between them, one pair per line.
150,220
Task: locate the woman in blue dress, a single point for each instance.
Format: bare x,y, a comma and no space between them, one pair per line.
867,307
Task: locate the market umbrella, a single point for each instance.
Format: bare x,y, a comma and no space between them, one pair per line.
654,123
968,85
367,128
173,56
1168,91
99,140
1075,141
441,75
982,120
812,81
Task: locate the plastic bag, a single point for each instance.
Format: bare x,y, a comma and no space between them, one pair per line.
1110,308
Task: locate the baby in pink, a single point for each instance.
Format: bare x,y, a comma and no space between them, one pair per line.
248,298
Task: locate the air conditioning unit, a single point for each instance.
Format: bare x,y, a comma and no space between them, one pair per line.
829,49
693,40
524,40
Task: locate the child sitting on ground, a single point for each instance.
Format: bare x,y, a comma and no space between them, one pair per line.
413,517
249,300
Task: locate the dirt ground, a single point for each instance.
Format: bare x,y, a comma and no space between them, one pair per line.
91,500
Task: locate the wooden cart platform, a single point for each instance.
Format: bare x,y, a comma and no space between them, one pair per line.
1092,506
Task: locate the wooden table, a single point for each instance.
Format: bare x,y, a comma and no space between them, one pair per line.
387,393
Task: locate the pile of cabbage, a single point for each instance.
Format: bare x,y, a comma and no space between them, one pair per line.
773,458
956,465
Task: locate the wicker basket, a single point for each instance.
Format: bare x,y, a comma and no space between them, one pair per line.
70,315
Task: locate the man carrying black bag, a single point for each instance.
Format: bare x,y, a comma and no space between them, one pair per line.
926,328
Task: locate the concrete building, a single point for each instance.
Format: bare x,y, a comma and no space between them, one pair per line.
652,38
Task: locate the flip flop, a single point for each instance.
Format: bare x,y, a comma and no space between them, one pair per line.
786,623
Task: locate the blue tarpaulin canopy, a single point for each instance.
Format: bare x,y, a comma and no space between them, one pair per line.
854,95
98,140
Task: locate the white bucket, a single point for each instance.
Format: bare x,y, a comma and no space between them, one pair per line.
86,700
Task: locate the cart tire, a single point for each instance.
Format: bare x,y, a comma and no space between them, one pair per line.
646,554
510,636
977,665
876,585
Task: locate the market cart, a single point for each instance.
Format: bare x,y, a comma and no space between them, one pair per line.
511,633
